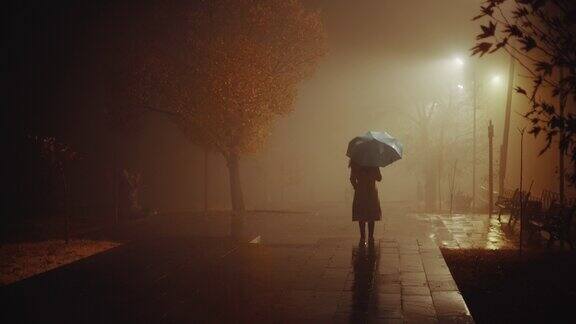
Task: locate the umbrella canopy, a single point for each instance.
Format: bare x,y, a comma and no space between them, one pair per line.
376,149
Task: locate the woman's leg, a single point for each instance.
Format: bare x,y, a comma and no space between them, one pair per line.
362,226
371,229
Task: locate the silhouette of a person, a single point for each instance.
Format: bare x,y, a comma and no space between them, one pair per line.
366,205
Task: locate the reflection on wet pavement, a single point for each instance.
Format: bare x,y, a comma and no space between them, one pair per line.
458,231
364,261
478,231
306,268
337,280
449,231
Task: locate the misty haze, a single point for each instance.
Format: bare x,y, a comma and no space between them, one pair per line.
288,161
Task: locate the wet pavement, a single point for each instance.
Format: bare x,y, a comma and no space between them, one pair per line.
307,267
447,231
458,231
344,281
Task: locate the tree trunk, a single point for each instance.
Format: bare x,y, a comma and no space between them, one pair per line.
66,208
115,180
235,194
430,188
205,181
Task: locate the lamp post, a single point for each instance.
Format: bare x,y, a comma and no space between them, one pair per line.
522,197
206,181
504,147
474,108
477,82
490,169
460,63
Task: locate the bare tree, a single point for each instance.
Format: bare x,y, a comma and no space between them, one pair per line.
422,139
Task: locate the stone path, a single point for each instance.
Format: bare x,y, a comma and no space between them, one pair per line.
341,281
457,231
308,268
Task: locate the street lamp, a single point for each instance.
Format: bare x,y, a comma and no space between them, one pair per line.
496,80
459,62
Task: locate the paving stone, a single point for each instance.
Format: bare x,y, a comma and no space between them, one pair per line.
296,298
455,320
329,279
449,303
337,273
449,285
340,318
331,284
388,270
431,254
436,268
388,301
415,290
392,250
388,242
390,259
349,301
417,319
411,263
389,288
413,305
388,278
413,279
439,276
386,320
387,306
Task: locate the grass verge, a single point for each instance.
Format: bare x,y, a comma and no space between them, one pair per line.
500,286
22,260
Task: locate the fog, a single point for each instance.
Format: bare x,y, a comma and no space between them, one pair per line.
387,62
386,59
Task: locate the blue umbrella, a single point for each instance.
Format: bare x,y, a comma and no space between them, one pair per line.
376,149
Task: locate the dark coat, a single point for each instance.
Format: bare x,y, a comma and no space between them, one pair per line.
366,205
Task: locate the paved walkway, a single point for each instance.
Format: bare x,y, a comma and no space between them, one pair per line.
339,280
307,268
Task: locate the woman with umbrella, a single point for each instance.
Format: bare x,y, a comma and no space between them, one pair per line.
367,153
366,205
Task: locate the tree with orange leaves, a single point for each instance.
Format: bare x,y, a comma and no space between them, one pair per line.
224,70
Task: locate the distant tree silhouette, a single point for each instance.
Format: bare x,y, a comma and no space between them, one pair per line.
223,71
133,183
438,133
59,156
541,36
422,121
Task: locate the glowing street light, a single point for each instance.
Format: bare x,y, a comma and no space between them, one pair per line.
459,62
496,79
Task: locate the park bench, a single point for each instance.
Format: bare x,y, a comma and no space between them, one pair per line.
556,221
536,209
505,202
519,203
548,197
512,205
